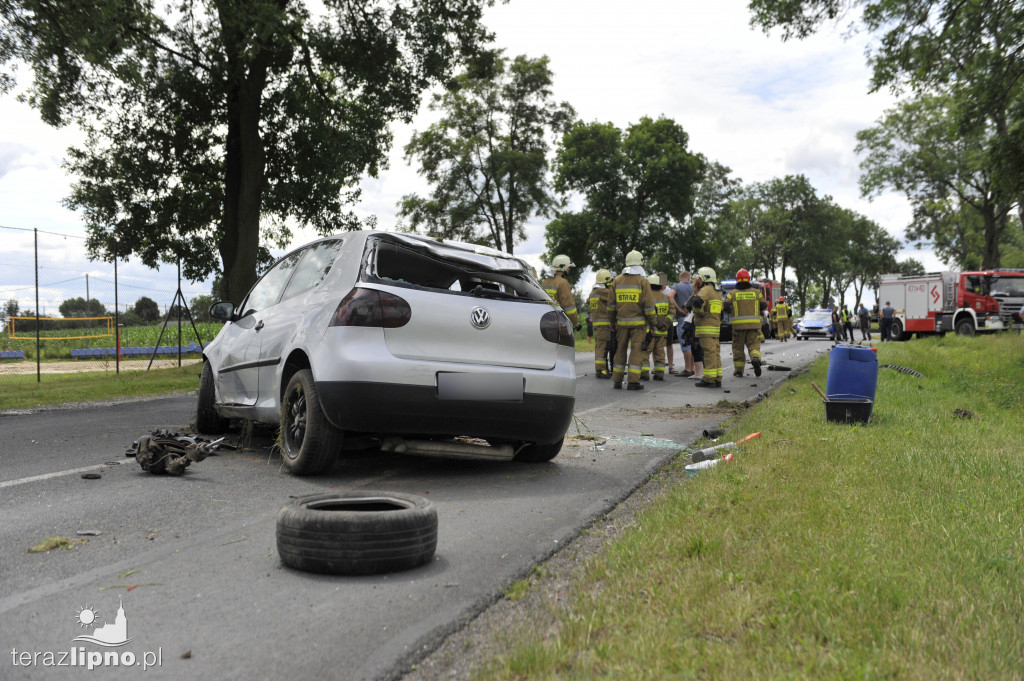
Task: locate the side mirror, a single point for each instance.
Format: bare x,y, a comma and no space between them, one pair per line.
224,310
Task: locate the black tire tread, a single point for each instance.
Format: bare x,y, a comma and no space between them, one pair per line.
322,441
208,421
356,542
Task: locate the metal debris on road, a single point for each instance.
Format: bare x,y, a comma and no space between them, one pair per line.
166,452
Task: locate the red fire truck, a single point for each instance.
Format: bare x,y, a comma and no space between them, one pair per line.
942,301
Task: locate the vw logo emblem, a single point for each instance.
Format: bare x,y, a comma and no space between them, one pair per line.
480,318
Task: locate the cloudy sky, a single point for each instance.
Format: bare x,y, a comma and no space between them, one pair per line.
762,107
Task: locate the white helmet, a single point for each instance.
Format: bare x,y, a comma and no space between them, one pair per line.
604,277
654,280
707,275
561,263
634,258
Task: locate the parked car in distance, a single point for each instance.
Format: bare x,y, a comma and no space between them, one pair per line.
816,323
397,341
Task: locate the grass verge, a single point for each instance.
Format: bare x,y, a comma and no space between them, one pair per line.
24,392
822,551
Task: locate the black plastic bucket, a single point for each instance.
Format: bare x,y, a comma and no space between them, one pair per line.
848,409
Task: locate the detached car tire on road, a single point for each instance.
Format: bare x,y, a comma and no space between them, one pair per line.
371,336
357,533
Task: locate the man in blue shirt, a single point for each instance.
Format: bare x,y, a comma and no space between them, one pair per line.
678,294
885,321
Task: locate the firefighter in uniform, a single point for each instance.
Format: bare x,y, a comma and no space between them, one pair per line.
706,304
560,291
598,303
630,311
658,343
745,305
782,318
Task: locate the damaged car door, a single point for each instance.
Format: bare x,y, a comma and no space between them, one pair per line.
238,376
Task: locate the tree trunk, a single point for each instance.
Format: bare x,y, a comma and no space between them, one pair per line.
990,256
245,162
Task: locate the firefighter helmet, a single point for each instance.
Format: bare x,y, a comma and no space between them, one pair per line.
742,275
654,280
782,299
604,277
707,275
634,258
561,263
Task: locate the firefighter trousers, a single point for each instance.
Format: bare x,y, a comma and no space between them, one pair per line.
748,340
654,358
602,336
630,341
712,358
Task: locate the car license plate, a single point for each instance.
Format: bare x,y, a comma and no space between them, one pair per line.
504,387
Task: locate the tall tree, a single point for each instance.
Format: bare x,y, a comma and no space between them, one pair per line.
634,186
699,238
945,173
212,125
873,253
487,158
968,50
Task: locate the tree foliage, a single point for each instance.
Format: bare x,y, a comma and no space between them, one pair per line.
636,187
699,238
944,172
147,309
80,307
213,125
487,158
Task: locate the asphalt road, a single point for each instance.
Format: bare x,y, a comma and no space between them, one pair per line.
192,559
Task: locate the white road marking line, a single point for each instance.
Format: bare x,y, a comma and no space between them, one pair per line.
47,476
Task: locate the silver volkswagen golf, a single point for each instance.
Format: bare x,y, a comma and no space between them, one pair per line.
394,341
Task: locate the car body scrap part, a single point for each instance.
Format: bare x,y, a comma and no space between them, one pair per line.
164,452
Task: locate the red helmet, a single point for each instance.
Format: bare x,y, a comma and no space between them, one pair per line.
743,275
782,299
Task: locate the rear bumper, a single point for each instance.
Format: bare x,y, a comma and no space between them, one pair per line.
416,411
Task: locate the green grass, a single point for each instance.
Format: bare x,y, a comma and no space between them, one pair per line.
893,550
21,391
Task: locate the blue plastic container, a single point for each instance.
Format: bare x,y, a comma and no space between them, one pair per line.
852,372
851,383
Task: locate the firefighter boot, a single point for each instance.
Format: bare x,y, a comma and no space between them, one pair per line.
634,386
757,366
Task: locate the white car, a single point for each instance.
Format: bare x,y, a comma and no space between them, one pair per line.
397,341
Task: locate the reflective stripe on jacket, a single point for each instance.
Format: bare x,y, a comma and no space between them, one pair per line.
598,303
631,301
707,320
558,288
746,308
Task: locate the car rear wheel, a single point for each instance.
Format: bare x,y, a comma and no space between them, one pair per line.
208,421
309,443
536,453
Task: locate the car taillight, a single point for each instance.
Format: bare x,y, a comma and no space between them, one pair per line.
556,328
370,307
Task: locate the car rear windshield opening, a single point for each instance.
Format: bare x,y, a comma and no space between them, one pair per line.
398,265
